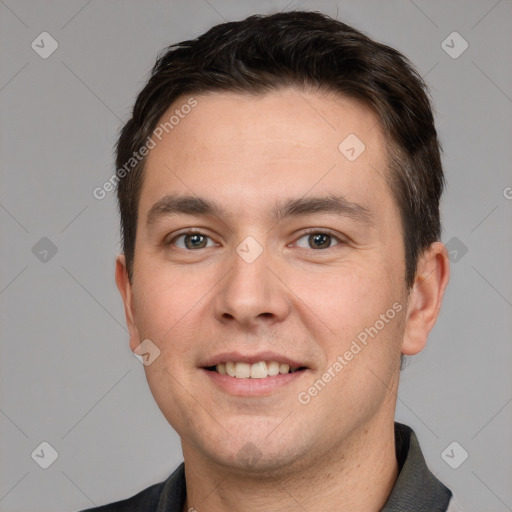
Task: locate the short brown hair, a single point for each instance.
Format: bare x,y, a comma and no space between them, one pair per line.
306,50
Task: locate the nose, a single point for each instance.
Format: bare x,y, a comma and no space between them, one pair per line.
251,294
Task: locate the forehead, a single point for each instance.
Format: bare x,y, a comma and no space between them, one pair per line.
251,149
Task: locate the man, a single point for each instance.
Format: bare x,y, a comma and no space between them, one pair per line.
279,187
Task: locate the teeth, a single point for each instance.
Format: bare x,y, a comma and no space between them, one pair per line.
273,368
242,370
258,370
284,368
230,369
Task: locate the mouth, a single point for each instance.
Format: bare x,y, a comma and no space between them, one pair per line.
252,375
258,370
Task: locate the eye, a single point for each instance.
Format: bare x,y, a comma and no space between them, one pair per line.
191,241
317,240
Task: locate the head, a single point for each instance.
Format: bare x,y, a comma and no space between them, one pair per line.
279,187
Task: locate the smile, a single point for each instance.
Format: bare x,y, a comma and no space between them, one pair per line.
259,370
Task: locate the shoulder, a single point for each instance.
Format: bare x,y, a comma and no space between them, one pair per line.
144,500
165,496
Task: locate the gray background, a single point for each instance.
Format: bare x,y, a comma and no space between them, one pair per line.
67,374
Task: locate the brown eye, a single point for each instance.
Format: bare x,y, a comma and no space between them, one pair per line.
319,240
192,241
195,241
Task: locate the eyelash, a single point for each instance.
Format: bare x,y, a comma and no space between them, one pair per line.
321,232
304,234
186,233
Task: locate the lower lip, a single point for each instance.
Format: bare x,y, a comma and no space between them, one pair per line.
252,387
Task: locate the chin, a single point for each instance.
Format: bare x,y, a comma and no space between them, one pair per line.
250,460
257,452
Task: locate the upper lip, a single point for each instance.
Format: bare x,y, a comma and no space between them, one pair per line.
238,357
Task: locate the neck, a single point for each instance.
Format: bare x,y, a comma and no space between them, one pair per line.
356,476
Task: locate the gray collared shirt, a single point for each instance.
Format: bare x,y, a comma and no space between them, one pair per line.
416,488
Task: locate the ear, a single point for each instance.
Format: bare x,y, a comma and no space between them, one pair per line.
425,298
125,289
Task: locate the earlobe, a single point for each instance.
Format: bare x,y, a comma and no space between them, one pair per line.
432,274
125,289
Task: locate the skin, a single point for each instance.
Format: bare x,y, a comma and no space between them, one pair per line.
248,152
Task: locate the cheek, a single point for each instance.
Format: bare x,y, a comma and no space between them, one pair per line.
356,316
358,322
347,298
167,297
169,310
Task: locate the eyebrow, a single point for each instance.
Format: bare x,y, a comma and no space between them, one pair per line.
292,207
183,205
331,203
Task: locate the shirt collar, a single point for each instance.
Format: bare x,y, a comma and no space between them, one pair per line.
416,488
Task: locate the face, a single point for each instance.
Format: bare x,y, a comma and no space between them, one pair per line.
263,246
